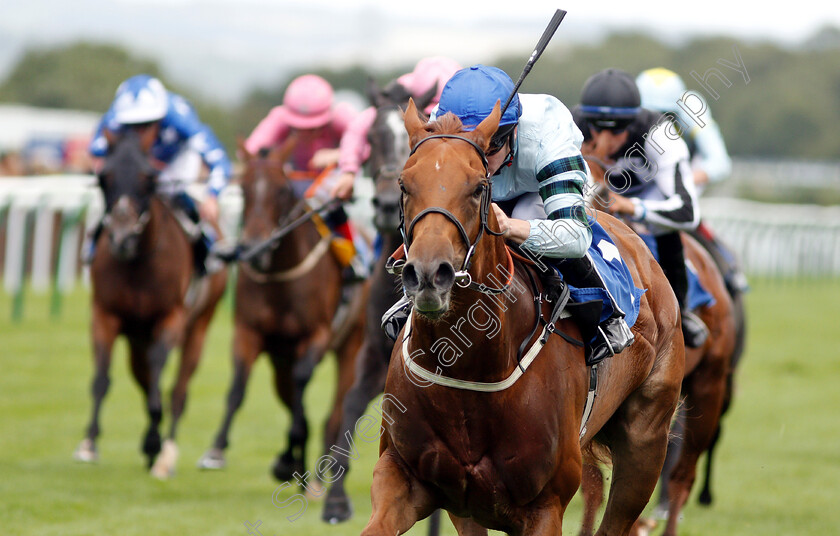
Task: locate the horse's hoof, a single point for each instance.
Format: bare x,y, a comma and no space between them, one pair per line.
283,469
643,527
164,466
705,498
86,452
213,460
337,510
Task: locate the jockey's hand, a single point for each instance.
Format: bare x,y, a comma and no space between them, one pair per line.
618,204
323,158
511,228
209,209
701,178
343,187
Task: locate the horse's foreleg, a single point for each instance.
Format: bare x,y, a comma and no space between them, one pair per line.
704,391
371,370
104,331
398,500
346,357
164,338
592,486
247,345
190,358
291,390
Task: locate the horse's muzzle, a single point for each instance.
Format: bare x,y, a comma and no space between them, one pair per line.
429,285
124,245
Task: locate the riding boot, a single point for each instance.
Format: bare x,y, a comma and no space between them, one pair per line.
395,318
613,335
356,268
202,238
672,261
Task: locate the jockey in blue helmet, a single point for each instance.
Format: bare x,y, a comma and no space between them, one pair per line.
183,144
538,179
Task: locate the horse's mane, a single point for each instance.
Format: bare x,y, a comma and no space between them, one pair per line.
446,124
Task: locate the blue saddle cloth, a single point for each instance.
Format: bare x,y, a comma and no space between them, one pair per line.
605,256
697,295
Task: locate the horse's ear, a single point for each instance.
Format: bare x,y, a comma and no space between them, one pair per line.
485,130
426,98
414,124
373,93
286,149
241,151
111,137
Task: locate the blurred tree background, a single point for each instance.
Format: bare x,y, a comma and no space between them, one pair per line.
789,108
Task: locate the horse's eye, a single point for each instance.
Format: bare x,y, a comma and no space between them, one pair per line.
478,190
402,188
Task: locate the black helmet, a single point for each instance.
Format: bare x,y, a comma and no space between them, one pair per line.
610,100
581,122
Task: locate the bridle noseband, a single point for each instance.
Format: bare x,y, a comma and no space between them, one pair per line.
462,277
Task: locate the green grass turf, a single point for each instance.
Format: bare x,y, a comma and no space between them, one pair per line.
777,473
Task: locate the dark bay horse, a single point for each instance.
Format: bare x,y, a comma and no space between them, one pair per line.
140,276
287,300
388,153
497,445
705,386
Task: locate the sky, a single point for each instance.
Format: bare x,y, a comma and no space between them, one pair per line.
225,47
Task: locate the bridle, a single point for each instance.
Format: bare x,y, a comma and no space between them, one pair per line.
462,277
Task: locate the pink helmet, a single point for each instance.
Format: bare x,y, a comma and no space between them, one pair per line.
307,102
435,70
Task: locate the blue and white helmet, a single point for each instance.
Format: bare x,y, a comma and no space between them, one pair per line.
140,99
660,89
472,93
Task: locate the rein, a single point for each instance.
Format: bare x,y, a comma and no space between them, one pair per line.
281,230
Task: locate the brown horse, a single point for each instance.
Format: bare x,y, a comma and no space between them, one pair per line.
495,441
287,299
388,154
704,388
140,275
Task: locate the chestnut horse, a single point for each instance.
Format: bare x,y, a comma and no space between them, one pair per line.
388,154
496,442
287,299
140,274
704,388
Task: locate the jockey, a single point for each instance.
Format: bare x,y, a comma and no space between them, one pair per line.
183,143
308,110
651,181
431,72
662,90
538,178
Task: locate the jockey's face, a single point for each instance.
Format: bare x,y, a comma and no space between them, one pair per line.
608,142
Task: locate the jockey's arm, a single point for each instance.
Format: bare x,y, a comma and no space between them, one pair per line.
354,150
670,170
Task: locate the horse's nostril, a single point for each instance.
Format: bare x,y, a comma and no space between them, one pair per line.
444,276
410,279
